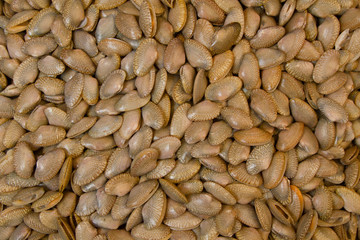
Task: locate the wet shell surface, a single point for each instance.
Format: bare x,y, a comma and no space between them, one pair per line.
179,119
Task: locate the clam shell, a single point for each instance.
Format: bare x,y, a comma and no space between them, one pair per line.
291,87
240,174
81,127
291,43
147,19
219,132
105,126
273,175
280,212
302,112
153,116
204,32
188,29
50,86
324,8
224,38
205,110
263,213
12,134
252,22
249,71
128,26
328,31
252,137
349,196
38,47
197,131
301,70
259,158
236,118
13,216
28,99
49,165
269,58
47,201
121,184
42,137
306,171
289,138
183,171
73,14
245,232
307,225
326,66
153,211
26,72
90,92
24,160
145,56
27,196
95,165
204,149
144,162
247,215
78,60
141,193
263,105
73,90
224,195
243,194
286,12
267,37
197,54
176,59
172,191
106,65
332,110
157,233
180,121
203,204
131,101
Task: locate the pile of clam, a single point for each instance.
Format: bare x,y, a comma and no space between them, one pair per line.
179,119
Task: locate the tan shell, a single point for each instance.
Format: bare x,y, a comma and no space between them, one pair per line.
240,174
160,232
78,60
332,110
183,171
289,138
249,71
90,168
47,201
153,211
252,137
131,101
326,66
145,56
144,162
105,126
141,193
273,175
197,54
121,184
42,137
205,110
203,204
223,89
172,191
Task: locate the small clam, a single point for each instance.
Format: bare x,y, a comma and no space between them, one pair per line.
205,110
197,54
145,56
